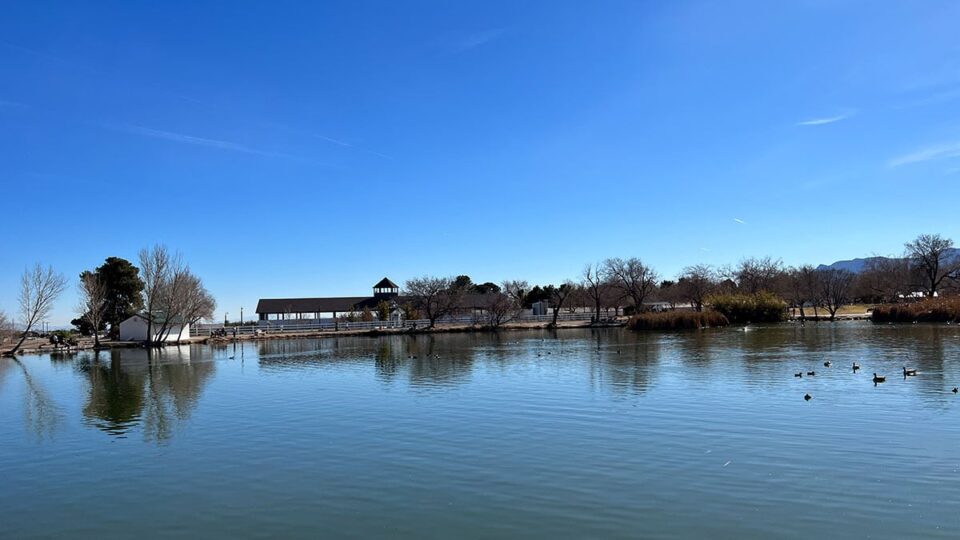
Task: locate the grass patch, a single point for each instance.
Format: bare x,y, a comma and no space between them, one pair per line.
927,310
676,320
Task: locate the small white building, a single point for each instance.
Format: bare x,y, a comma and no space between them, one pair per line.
135,329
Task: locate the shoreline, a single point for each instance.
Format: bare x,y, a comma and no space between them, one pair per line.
45,347
378,332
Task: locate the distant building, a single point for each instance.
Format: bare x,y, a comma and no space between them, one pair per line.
135,329
279,309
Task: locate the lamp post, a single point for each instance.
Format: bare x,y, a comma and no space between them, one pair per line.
241,315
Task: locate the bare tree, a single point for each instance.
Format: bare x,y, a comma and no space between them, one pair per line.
813,290
669,291
835,287
935,261
434,297
172,295
633,278
517,290
578,299
156,266
93,303
184,300
612,297
884,279
594,279
799,287
754,275
5,327
39,288
695,283
499,307
558,296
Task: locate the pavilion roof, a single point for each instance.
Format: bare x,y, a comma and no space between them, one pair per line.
386,284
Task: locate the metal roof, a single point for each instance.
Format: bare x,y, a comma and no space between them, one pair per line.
311,305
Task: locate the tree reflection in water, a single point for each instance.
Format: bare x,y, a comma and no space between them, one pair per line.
41,414
153,389
115,394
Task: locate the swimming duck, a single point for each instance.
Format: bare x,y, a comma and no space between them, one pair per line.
798,374
811,373
909,372
856,366
807,397
955,389
827,364
878,379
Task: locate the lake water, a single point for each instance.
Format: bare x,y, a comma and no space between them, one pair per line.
534,434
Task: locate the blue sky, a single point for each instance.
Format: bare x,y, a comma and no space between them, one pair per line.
301,149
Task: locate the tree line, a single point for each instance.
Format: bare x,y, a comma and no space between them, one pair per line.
163,289
930,266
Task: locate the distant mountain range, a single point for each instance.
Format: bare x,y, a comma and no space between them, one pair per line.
857,265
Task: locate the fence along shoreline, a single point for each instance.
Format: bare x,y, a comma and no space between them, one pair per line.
267,328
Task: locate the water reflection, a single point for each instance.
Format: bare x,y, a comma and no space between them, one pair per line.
6,366
136,388
628,363
116,395
41,414
578,433
156,392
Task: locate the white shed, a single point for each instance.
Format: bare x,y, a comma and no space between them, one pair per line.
135,329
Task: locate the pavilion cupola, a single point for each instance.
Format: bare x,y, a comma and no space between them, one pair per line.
385,290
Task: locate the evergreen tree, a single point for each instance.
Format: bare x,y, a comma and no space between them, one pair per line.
124,288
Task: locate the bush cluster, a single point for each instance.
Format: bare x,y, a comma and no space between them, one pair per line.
927,310
676,320
746,308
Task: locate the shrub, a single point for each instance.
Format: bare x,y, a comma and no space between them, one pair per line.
927,310
63,337
383,310
676,320
746,308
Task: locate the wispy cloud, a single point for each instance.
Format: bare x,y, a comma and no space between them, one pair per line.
345,144
12,104
824,120
478,39
43,55
331,140
192,140
942,151
740,221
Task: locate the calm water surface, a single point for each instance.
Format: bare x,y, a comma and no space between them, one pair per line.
576,434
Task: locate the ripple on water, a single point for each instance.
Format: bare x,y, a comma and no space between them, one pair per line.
575,434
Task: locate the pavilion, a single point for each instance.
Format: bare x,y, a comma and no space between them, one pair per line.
280,309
